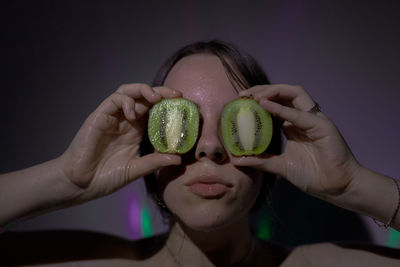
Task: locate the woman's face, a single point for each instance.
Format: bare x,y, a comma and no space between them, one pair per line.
207,192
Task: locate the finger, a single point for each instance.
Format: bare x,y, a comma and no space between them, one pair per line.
167,92
301,119
140,90
253,90
141,108
117,102
150,163
282,93
265,162
129,109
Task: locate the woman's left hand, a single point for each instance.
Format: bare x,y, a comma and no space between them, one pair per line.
316,158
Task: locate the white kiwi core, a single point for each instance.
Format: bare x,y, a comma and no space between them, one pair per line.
246,128
173,128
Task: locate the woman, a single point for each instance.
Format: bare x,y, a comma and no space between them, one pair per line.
210,230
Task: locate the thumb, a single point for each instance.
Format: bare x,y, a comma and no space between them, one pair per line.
266,162
149,163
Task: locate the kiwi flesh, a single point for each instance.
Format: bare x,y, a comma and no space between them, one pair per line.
173,125
246,127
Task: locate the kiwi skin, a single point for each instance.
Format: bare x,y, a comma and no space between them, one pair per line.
173,125
246,127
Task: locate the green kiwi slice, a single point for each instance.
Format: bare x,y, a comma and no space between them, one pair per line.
246,127
173,125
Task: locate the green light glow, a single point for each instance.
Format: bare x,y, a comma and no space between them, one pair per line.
393,239
145,218
264,228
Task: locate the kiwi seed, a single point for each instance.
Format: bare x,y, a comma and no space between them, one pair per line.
246,127
173,125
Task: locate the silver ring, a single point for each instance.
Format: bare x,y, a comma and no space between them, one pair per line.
315,109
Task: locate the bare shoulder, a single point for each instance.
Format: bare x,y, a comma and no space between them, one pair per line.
335,254
55,248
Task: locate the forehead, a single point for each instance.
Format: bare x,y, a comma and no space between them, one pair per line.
202,79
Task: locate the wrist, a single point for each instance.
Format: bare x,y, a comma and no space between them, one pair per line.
369,193
69,193
33,191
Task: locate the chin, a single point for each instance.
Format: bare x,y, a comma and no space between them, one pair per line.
206,220
211,216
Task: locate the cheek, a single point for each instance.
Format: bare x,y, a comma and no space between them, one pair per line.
172,196
250,187
253,178
167,175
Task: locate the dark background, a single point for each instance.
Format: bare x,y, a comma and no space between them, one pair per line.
60,59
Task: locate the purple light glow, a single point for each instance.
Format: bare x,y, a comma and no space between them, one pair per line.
134,218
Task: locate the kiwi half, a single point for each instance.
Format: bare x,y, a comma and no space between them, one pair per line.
173,125
246,127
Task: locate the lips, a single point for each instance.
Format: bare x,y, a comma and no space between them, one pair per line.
207,186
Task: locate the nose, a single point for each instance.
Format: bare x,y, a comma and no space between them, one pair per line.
209,144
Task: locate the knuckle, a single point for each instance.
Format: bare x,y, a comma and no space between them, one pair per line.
129,86
257,87
252,90
115,96
114,99
122,88
283,85
143,86
260,88
298,88
160,88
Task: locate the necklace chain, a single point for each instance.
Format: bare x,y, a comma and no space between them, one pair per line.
243,261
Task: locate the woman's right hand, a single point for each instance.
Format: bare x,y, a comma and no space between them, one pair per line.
104,155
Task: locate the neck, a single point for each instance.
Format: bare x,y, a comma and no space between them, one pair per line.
222,247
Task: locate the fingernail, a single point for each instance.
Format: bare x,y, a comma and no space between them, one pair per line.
132,114
177,93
